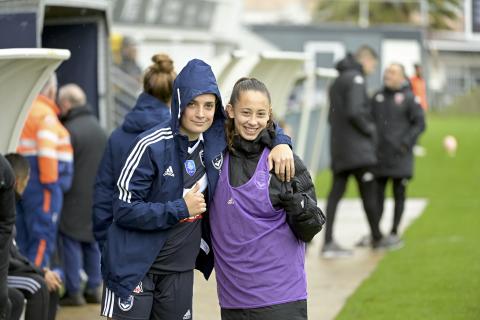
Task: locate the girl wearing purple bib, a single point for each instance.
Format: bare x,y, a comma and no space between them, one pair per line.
259,262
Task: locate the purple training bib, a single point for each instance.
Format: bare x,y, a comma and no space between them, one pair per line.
258,260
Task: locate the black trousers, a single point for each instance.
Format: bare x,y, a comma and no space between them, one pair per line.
41,304
367,189
399,189
156,297
296,310
17,299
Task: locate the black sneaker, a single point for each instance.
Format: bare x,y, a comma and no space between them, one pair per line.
93,295
74,300
332,250
390,242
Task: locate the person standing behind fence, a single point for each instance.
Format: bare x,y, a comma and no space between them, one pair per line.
46,145
400,120
352,144
78,248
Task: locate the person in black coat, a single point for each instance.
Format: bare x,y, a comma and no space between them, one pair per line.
400,120
352,144
7,220
78,248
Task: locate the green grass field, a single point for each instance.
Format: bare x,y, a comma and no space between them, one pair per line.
437,274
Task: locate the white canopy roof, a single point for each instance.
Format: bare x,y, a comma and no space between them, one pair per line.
23,73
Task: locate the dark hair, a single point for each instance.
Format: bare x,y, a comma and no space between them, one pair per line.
158,79
366,50
19,164
242,85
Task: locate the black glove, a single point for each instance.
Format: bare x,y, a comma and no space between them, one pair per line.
292,201
303,216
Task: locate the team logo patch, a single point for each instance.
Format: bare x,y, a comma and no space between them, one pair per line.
188,315
399,97
169,172
262,179
358,79
218,161
138,289
190,167
125,304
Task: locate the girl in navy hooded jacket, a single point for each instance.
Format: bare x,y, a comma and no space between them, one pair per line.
160,204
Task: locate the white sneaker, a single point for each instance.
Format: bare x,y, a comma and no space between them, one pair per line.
332,250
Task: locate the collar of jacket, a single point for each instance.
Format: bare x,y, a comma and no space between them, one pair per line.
76,112
50,103
251,149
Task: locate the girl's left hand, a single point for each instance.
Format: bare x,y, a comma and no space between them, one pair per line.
281,158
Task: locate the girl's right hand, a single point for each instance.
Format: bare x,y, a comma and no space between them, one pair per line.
195,201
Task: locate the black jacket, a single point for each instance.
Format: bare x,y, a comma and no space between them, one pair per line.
88,142
19,264
352,138
7,220
399,120
243,163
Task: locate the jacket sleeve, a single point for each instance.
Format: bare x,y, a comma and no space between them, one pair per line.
356,99
304,217
103,196
281,137
305,182
47,140
7,220
416,118
20,264
130,206
304,185
65,161
55,153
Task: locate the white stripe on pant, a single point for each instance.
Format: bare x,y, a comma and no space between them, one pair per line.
108,303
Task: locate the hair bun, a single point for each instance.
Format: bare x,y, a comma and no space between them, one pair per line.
162,63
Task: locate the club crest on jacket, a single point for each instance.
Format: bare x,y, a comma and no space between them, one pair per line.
218,161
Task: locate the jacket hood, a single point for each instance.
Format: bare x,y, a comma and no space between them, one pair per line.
195,79
348,63
147,113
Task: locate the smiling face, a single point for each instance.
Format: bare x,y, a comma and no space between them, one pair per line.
198,116
251,113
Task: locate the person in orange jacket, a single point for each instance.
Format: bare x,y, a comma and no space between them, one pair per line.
46,145
419,87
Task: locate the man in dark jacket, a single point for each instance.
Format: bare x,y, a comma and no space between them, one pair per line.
400,120
7,220
352,144
78,249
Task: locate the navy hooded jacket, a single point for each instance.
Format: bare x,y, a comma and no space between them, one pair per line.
148,199
147,113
